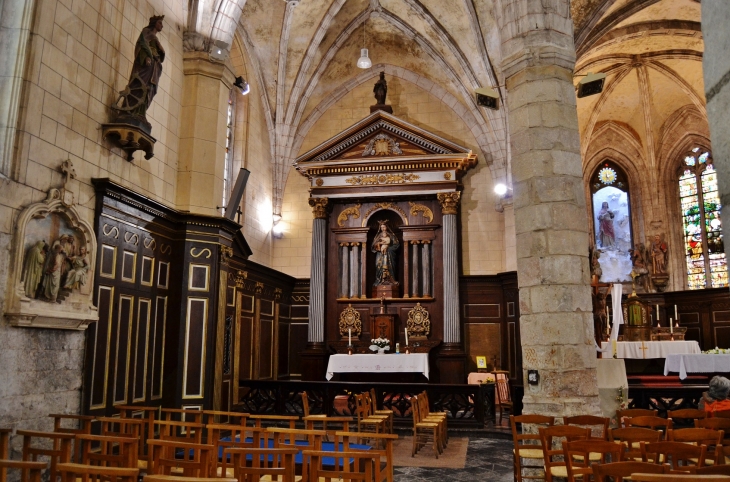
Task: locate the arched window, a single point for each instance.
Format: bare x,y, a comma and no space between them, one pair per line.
228,164
612,221
702,228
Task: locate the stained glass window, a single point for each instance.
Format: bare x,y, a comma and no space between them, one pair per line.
228,164
702,228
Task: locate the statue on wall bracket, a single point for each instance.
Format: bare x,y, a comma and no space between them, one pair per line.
51,268
129,128
385,246
380,90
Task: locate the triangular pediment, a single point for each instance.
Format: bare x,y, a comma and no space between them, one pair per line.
381,135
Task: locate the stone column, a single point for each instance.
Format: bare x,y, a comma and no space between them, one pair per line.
414,269
354,270
449,207
206,87
344,270
320,210
556,324
426,264
716,73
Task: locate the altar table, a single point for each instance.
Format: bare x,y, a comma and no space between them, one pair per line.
684,364
390,363
650,349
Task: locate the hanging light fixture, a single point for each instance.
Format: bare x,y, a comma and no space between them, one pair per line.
364,61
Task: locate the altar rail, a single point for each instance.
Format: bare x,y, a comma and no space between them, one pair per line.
665,398
467,406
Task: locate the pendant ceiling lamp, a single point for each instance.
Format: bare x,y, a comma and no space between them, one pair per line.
364,61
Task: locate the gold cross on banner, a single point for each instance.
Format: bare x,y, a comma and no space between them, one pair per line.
643,349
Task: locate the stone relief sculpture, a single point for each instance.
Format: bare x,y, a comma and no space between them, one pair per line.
638,260
385,245
51,275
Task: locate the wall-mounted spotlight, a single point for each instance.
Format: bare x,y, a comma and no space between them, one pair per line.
500,189
277,229
591,84
487,97
242,86
219,50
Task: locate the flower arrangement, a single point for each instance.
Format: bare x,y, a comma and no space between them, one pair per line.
380,342
488,379
717,351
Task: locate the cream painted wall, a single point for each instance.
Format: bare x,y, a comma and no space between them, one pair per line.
77,59
482,227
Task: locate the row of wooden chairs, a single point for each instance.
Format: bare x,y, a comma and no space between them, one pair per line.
428,427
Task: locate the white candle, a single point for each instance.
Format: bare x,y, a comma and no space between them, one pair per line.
657,312
406,330
349,336
671,326
676,317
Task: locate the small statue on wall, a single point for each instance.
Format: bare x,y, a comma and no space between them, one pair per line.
380,89
385,245
659,250
638,260
35,260
606,233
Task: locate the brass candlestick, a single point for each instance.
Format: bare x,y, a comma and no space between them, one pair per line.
349,349
407,350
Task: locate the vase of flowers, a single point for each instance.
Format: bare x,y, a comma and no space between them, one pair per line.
380,345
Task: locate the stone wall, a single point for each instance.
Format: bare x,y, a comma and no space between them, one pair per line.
482,228
79,55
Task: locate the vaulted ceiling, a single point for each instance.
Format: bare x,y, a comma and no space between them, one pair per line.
303,55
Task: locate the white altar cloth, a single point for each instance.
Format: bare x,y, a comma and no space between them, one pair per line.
390,363
650,349
684,364
611,375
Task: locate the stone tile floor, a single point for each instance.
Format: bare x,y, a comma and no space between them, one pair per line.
487,459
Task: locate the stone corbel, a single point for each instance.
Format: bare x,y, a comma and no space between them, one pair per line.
130,138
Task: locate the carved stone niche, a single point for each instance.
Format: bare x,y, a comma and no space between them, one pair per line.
52,267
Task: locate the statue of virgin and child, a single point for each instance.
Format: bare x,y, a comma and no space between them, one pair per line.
385,246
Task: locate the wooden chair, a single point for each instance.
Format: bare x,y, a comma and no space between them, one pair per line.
503,399
181,415
82,425
173,478
619,470
250,464
56,446
527,445
382,410
721,414
598,425
554,465
108,451
275,419
631,438
701,436
149,414
623,415
685,414
384,470
187,432
439,417
5,443
711,470
366,423
225,418
348,466
682,455
171,457
424,432
654,423
580,455
224,436
29,471
92,473
293,437
678,478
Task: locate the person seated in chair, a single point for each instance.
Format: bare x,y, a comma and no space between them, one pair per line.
715,398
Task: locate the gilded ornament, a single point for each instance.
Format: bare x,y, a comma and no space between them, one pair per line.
420,208
447,176
419,323
319,181
353,211
225,254
382,145
240,278
320,207
382,179
258,288
379,206
449,202
350,320
197,254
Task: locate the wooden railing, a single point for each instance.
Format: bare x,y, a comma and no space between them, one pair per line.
468,406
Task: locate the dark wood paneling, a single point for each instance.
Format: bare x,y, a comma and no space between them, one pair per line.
297,345
158,348
141,345
123,345
100,333
195,346
266,349
246,352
